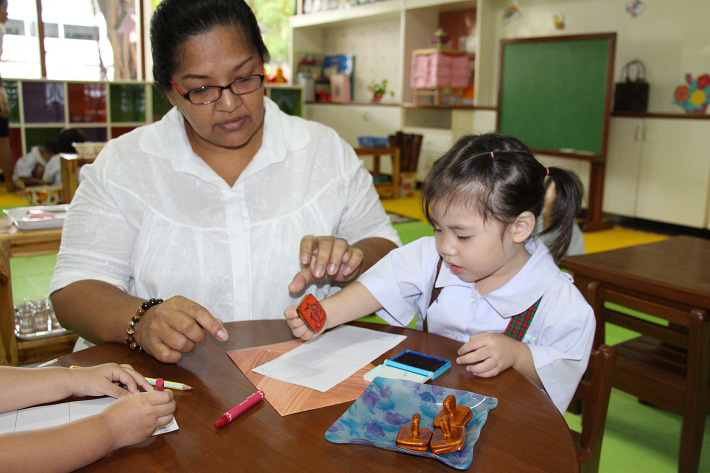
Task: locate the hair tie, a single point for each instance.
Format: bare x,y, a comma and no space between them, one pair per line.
548,171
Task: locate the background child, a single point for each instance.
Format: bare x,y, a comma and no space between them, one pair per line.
65,144
128,421
483,278
29,168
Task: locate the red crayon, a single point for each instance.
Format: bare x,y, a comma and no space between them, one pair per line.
159,384
231,414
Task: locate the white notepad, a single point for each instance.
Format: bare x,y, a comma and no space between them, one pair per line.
41,417
331,358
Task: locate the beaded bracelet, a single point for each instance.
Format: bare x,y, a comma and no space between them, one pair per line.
131,330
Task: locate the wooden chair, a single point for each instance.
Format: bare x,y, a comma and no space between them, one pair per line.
391,189
594,391
668,366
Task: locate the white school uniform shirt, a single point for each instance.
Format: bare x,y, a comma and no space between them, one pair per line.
26,163
152,218
53,171
560,335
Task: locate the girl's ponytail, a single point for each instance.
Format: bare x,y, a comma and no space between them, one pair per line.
559,214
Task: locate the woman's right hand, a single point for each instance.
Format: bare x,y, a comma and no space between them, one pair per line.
298,327
176,326
132,419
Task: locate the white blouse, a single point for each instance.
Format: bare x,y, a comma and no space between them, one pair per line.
153,219
25,165
561,332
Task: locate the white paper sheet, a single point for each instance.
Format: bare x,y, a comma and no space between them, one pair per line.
331,358
41,417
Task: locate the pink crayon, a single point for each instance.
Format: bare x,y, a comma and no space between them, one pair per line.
231,414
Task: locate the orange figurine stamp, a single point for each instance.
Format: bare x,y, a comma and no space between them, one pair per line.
458,415
449,438
413,437
312,313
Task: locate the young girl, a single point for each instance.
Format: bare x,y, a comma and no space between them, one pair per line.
128,421
484,278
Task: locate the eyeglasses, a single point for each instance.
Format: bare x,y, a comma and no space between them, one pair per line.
212,93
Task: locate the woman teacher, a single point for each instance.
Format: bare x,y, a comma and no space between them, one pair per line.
227,208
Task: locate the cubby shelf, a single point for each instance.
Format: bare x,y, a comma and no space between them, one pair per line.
39,109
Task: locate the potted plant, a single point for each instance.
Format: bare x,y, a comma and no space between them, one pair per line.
378,90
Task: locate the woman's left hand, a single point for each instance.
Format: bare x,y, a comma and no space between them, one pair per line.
326,257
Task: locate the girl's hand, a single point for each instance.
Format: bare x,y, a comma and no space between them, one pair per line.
487,354
326,257
298,327
176,326
100,381
133,419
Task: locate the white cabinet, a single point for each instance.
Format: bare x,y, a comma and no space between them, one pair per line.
674,175
659,169
622,166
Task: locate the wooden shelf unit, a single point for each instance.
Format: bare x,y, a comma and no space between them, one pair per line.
14,352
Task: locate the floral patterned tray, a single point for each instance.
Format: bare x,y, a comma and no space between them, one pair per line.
387,404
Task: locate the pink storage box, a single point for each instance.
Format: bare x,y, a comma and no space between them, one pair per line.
439,70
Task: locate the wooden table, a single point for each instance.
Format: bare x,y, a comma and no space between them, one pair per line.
524,433
669,365
15,242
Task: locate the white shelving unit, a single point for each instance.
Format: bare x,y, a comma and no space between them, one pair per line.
382,36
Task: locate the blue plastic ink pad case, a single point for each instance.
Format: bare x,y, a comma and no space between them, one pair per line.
419,363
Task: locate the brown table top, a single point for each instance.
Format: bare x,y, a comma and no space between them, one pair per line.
677,268
11,232
525,432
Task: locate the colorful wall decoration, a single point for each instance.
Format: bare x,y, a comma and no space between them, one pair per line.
694,95
510,13
635,8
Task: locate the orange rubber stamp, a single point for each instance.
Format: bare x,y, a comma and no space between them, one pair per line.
413,437
449,438
458,415
312,313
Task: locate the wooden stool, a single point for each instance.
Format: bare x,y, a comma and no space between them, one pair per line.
391,189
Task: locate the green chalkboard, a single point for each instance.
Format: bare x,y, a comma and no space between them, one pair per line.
555,92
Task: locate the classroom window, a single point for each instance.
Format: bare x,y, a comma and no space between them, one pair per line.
273,17
84,46
90,33
20,45
16,27
80,40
